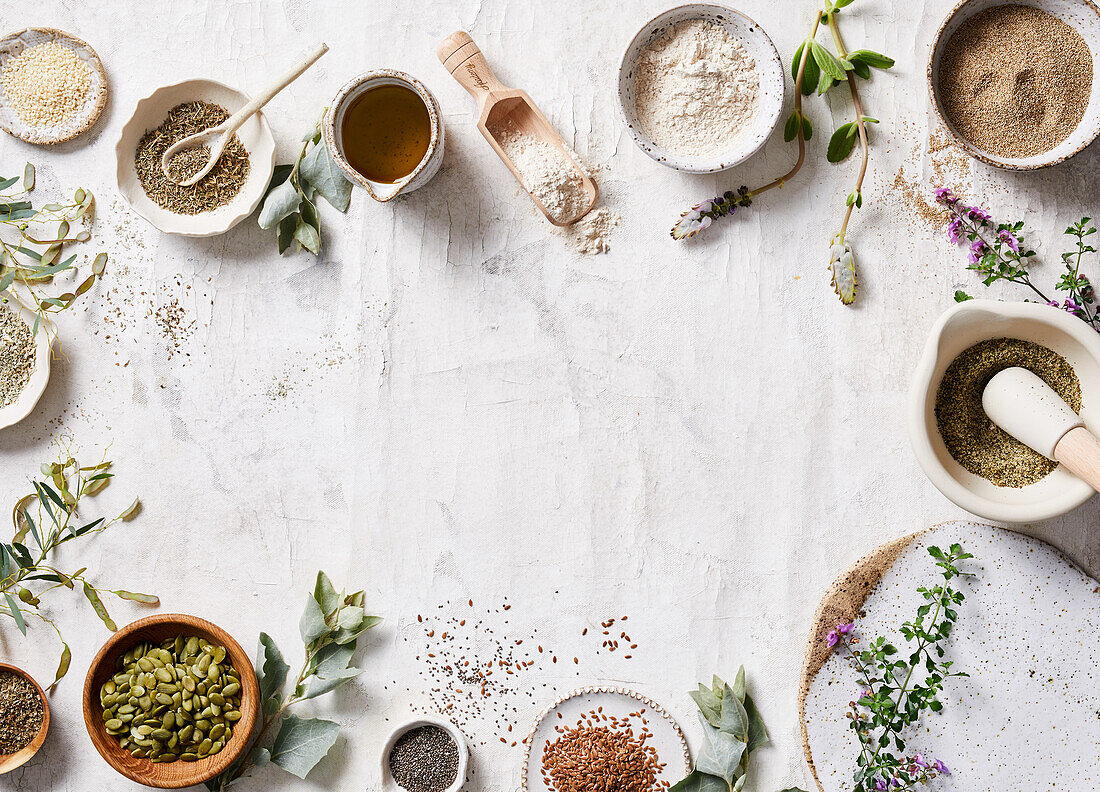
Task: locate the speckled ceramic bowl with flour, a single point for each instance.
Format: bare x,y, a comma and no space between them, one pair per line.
1025,718
770,95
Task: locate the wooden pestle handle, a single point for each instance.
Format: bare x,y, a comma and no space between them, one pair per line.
1079,451
461,57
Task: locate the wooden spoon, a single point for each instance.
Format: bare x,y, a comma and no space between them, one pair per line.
498,105
216,138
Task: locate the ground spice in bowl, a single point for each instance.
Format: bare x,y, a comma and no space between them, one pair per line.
21,712
217,188
424,759
1015,81
972,439
17,356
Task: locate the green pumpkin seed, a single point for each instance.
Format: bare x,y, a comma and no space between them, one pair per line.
114,724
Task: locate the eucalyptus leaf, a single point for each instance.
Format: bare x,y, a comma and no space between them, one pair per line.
739,685
709,704
16,614
302,743
270,667
721,753
286,231
318,686
309,236
28,177
280,202
320,170
701,782
261,756
312,624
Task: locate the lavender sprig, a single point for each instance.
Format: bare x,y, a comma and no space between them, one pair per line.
997,252
893,698
703,214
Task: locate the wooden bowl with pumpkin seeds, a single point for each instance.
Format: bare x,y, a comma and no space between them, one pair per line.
156,631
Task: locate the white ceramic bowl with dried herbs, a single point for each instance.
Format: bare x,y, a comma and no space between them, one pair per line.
32,392
960,328
770,92
255,135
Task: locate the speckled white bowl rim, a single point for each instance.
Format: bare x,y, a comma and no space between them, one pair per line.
389,785
769,69
1071,492
29,397
1089,127
261,166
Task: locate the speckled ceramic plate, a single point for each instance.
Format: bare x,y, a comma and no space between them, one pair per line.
639,711
769,70
1027,633
11,46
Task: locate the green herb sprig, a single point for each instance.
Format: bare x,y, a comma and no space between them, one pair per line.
814,67
897,692
290,201
330,626
48,516
998,253
32,247
732,730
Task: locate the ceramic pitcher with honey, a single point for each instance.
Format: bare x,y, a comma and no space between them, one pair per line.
385,131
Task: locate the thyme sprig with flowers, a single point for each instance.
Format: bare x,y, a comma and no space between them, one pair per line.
31,250
49,516
814,67
894,697
998,253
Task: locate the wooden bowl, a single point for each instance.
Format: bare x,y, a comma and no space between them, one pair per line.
169,775
20,758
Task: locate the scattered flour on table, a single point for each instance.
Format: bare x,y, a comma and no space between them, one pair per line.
696,89
546,172
590,234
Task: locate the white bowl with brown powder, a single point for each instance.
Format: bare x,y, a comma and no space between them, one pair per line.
701,88
1018,84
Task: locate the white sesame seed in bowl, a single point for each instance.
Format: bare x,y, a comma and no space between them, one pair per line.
52,85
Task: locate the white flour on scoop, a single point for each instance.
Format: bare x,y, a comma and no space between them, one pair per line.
545,171
696,89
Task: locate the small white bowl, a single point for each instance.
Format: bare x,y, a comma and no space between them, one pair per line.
24,403
961,327
770,97
254,134
1084,17
389,785
12,46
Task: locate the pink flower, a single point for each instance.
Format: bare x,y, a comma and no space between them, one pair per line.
946,197
918,759
977,251
955,231
941,767
978,215
1009,239
844,629
832,638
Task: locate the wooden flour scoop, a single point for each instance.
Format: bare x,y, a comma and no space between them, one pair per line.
1028,409
499,105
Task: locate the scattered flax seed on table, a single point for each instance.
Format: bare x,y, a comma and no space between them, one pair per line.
46,84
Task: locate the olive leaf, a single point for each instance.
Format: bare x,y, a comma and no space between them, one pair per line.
97,606
302,743
320,170
133,596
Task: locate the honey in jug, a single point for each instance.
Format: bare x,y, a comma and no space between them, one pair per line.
385,133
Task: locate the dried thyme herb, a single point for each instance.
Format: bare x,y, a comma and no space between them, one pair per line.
217,188
978,444
185,164
21,712
17,356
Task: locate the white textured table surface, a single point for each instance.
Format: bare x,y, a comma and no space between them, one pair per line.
450,405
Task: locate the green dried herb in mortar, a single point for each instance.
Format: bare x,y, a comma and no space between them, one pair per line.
975,442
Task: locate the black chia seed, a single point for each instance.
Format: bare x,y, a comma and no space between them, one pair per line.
975,442
424,759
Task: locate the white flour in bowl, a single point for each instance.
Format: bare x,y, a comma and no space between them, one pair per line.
696,89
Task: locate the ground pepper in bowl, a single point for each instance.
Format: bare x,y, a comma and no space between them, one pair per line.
972,439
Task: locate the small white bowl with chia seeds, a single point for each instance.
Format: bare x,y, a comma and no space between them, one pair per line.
24,363
425,754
